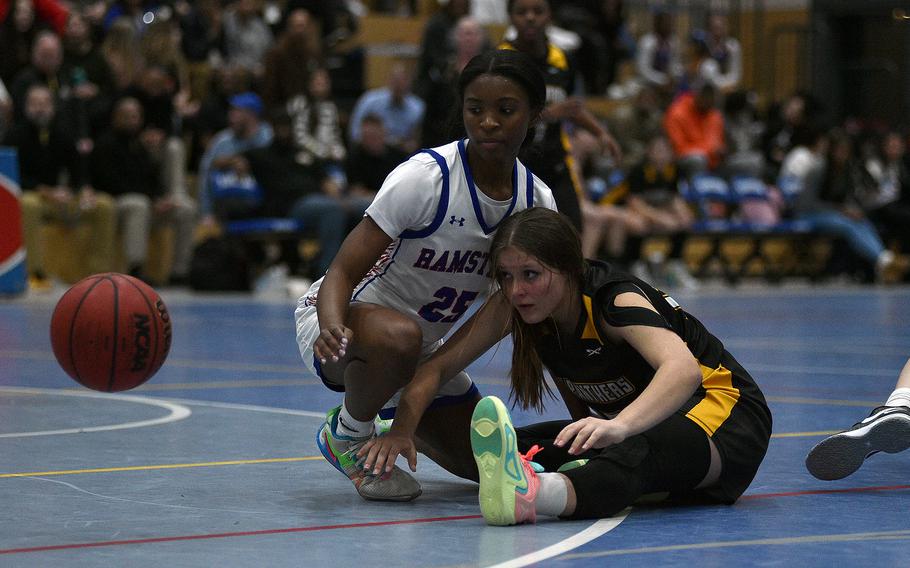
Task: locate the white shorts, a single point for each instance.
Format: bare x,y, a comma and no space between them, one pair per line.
458,388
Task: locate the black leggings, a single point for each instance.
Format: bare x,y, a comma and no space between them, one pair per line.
673,457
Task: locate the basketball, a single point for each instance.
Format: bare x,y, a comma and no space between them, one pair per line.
110,332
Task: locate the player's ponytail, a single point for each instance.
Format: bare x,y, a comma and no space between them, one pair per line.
550,238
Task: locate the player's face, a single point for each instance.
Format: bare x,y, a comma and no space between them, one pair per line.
530,18
534,290
496,116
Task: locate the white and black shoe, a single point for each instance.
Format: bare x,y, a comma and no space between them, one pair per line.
886,430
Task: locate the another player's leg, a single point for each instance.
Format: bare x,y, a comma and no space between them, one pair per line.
511,492
887,429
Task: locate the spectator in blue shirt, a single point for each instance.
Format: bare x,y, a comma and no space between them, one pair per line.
400,110
246,131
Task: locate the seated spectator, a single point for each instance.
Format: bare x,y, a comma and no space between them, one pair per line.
161,49
127,164
654,196
371,160
886,200
44,69
292,58
435,52
122,51
635,124
246,131
247,37
317,132
607,227
335,18
47,156
726,52
201,36
20,22
400,110
698,67
658,56
212,117
696,130
743,134
804,168
87,71
293,188
784,119
436,86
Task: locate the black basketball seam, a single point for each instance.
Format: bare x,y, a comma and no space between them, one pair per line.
154,320
116,334
73,325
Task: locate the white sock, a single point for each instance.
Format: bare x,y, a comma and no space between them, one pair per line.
553,495
900,397
350,426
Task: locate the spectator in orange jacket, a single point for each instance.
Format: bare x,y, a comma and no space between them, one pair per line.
696,129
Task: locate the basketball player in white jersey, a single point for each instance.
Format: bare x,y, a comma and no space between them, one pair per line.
410,270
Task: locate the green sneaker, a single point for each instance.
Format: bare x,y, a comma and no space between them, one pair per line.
341,452
571,465
508,484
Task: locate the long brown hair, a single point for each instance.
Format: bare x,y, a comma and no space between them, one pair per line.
551,239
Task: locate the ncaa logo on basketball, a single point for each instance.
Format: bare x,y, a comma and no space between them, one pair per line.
141,341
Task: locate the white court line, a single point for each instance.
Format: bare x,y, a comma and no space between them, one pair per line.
179,412
176,411
596,530
251,407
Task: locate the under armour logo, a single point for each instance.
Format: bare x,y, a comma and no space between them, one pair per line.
453,220
593,352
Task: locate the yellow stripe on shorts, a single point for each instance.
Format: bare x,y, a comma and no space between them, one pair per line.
720,398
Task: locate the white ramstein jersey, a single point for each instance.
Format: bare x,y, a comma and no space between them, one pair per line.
442,226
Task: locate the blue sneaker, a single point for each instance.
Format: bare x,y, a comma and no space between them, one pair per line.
341,452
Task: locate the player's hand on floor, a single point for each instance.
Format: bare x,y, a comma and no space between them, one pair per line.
332,343
591,433
382,451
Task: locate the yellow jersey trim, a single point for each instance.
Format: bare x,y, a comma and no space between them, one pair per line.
590,331
720,398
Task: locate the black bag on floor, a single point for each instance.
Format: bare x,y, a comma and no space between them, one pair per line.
220,264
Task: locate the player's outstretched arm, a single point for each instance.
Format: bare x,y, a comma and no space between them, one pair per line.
481,332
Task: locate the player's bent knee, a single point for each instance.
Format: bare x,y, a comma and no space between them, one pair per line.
400,337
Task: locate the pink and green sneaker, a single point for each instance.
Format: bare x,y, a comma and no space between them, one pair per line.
341,452
508,484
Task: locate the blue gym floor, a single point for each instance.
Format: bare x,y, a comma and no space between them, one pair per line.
212,463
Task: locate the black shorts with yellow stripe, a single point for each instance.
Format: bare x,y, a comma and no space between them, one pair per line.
731,409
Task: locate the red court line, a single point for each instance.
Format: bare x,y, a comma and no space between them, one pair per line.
234,534
385,523
826,491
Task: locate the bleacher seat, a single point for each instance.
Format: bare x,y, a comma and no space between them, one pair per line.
264,227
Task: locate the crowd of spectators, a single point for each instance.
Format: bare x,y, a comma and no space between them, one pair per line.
134,114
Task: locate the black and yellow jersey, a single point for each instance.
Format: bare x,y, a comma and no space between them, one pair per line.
608,376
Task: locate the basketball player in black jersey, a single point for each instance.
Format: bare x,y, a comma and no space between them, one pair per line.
657,403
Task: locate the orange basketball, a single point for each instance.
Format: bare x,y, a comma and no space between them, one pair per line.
111,332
